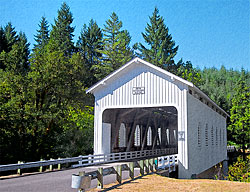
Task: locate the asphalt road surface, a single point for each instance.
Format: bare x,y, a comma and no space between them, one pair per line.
52,181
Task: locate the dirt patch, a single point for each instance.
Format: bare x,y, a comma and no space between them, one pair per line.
160,183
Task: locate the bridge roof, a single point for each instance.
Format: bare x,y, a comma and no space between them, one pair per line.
116,73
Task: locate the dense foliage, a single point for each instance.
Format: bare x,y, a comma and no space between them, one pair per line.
240,116
44,111
240,170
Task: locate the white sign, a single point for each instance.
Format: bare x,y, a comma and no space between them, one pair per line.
181,136
138,90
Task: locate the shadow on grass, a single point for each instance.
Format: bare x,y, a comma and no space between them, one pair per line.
126,182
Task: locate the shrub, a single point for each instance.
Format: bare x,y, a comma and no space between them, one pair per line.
239,171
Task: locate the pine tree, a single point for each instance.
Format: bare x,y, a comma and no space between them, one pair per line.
116,50
240,115
61,35
17,58
3,41
42,35
10,35
15,53
90,41
161,48
23,46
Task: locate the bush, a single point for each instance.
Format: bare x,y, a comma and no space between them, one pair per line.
239,171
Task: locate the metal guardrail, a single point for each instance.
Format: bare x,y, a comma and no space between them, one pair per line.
231,148
89,160
82,181
167,162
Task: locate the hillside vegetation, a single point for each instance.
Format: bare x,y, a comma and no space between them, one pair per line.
44,110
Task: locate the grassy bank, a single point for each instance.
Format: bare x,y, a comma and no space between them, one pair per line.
159,183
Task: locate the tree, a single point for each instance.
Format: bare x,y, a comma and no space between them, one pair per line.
62,32
116,50
90,41
8,39
17,57
240,116
42,35
11,36
160,49
186,71
3,41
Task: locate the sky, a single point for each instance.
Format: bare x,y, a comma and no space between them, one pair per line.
210,33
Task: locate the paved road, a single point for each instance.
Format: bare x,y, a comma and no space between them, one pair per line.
52,181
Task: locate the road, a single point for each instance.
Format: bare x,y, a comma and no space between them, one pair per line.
52,181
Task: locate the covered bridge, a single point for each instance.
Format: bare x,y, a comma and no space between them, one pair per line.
143,107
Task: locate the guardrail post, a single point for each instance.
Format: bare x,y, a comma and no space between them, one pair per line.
169,163
51,166
100,178
155,163
59,164
147,165
131,170
151,165
19,172
41,167
80,161
141,164
118,170
89,159
174,162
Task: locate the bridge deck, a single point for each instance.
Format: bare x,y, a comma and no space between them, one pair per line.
54,181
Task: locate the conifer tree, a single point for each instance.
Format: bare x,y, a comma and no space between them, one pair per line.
240,116
15,51
23,45
160,49
3,41
42,35
10,35
116,50
61,35
17,58
90,41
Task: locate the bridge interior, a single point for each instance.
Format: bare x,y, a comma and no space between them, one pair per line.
148,128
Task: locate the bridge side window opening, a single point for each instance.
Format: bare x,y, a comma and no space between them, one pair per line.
220,137
206,135
167,134
216,136
122,135
223,134
175,136
149,137
199,135
137,136
159,136
212,136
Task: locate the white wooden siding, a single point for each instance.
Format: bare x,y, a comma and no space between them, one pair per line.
160,90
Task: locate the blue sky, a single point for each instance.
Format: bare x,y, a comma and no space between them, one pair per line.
209,32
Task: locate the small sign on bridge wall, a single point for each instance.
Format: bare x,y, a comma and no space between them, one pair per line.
181,135
138,90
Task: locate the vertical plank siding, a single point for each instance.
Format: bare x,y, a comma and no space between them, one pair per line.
160,89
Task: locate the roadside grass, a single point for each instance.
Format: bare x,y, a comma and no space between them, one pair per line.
159,183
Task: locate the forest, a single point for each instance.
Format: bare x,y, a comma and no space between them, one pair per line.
44,110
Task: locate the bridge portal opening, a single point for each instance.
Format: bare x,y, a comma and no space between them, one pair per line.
136,129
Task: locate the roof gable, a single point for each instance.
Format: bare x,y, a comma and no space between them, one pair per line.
129,65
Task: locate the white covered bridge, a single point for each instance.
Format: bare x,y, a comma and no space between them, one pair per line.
143,107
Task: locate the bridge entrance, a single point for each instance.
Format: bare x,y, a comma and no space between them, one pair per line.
137,129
